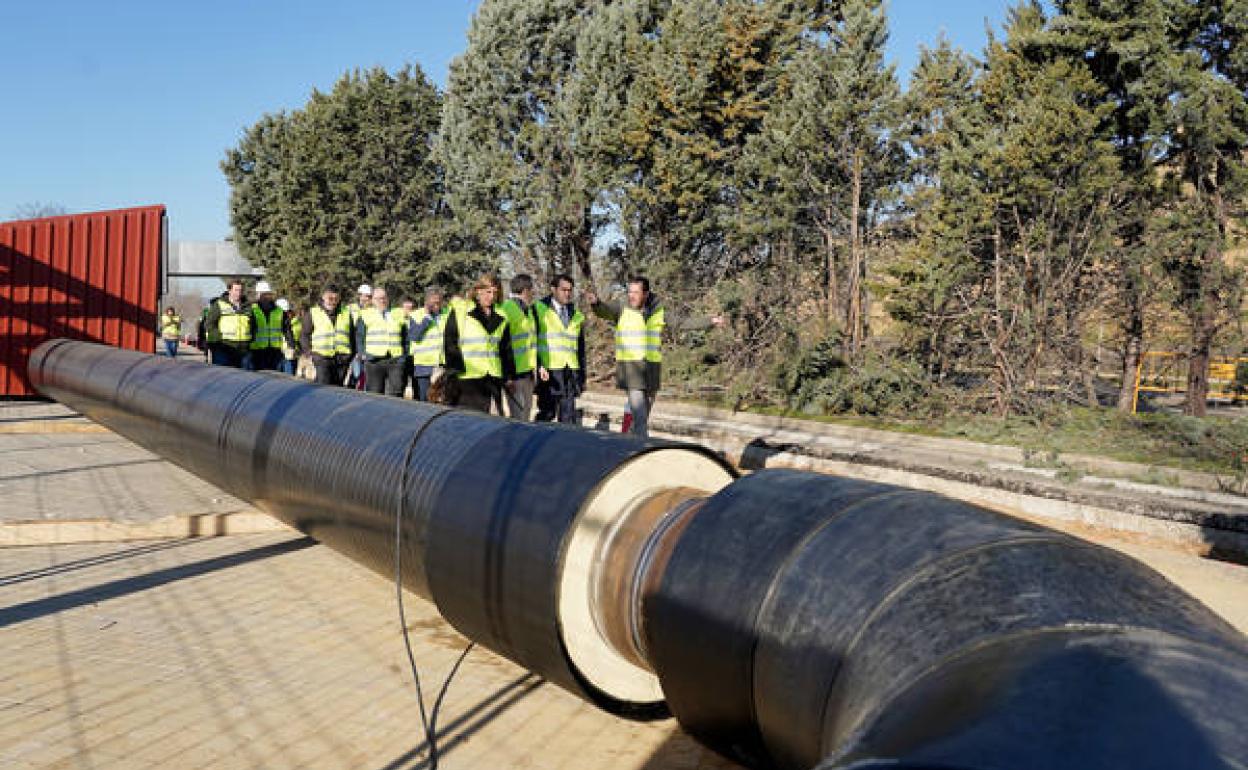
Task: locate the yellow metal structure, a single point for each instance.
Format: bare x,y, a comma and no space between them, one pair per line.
1162,371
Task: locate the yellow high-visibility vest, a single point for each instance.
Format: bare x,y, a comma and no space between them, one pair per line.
428,350
268,329
638,338
170,326
330,335
234,326
479,347
384,333
556,343
523,335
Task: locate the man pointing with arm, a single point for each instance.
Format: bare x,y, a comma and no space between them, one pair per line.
639,326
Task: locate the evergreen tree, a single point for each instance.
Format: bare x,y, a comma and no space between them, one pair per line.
832,148
704,82
1023,211
508,135
346,189
936,231
1207,174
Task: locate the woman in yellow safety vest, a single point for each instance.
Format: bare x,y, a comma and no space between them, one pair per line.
171,331
477,348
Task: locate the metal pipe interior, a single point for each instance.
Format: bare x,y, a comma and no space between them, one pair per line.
786,619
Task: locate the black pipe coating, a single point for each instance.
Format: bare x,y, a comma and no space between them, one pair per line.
796,620
488,503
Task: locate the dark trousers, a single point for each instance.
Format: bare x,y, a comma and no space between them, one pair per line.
329,371
556,397
266,359
384,376
228,355
420,387
640,404
171,348
478,393
519,396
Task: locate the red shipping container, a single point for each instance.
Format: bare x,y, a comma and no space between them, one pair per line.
94,277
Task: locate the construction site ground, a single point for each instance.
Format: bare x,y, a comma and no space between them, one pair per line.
147,619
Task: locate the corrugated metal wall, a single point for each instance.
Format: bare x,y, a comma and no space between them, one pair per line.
89,276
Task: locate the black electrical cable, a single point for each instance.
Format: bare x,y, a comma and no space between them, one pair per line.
428,719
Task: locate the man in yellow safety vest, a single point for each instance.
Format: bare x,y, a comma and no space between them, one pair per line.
228,328
269,324
424,341
639,328
518,310
381,334
326,335
171,331
560,329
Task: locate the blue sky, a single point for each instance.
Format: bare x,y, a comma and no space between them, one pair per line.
110,104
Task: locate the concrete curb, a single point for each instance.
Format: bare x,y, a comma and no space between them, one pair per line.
40,426
65,532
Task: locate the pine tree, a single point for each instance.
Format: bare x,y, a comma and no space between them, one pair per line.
832,145
507,136
936,232
346,189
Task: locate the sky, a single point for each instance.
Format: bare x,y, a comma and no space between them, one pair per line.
107,104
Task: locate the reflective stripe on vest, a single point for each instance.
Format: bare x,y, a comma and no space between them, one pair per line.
233,325
330,335
556,343
479,347
523,335
268,330
384,333
170,326
428,350
638,338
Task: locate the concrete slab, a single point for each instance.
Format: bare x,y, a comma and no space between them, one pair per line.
48,473
267,651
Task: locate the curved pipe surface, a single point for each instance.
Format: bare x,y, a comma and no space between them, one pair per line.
786,619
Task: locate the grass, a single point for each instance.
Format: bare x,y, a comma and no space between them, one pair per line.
1161,441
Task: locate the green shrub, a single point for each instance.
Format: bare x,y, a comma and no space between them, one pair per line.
822,382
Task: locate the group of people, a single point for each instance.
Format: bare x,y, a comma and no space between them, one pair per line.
482,351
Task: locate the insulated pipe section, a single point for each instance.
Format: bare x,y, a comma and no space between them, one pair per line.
787,619
491,510
807,621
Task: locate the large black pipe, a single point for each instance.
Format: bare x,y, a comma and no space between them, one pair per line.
786,619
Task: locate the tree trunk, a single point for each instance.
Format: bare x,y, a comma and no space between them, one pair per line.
829,272
582,242
1132,348
853,308
1198,365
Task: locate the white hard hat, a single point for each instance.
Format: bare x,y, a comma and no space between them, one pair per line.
283,304
365,289
263,287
